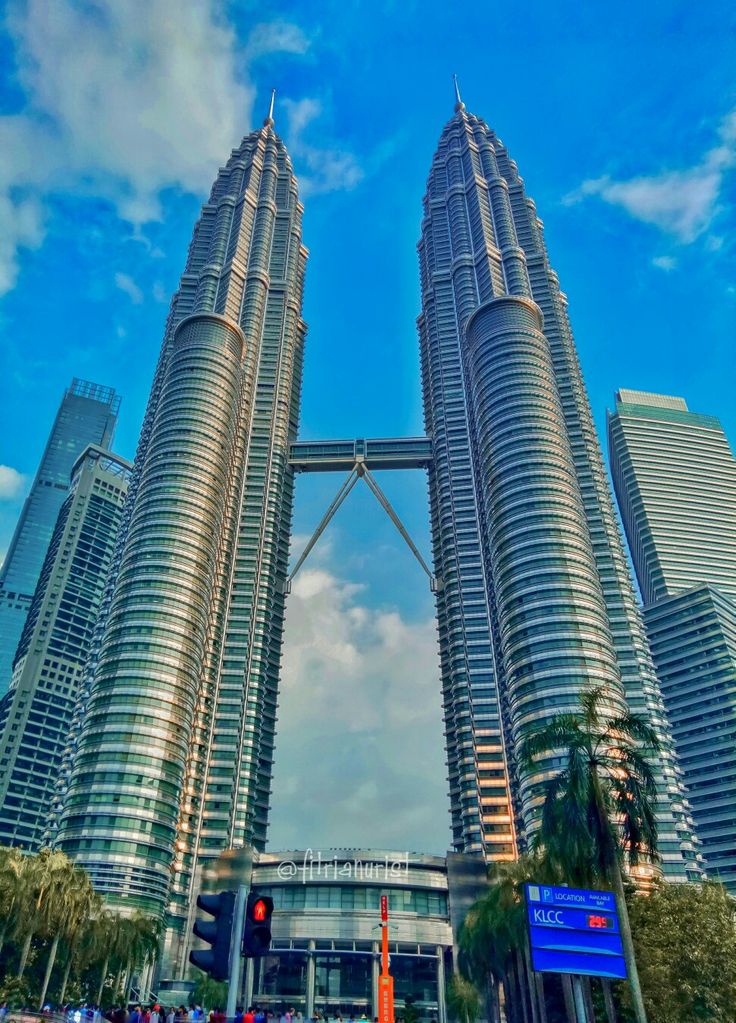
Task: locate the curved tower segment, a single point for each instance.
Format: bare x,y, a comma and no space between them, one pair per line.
537,601
174,759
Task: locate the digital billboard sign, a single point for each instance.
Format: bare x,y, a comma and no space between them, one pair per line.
573,930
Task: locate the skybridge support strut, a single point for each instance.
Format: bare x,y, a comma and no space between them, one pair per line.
360,470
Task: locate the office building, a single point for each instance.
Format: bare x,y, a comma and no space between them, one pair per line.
675,479
325,953
537,603
173,763
36,712
87,415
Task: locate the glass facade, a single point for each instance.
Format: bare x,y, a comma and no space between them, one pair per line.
37,711
325,954
537,602
87,415
693,639
675,479
173,763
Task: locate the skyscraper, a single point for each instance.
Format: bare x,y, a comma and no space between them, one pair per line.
87,415
177,745
36,712
675,479
537,603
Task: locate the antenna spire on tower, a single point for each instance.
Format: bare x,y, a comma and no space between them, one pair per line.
459,105
269,121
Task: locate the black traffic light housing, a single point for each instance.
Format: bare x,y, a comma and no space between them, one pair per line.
217,932
257,927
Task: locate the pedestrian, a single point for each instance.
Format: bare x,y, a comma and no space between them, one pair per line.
135,1016
249,1016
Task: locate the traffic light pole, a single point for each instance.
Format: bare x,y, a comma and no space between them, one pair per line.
235,944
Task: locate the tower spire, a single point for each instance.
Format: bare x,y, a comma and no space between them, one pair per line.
459,105
269,121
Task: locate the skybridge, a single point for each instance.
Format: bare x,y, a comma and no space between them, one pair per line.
359,459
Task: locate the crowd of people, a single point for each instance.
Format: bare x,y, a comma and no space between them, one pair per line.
194,1014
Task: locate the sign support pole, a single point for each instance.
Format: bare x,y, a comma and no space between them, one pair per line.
577,988
385,981
235,945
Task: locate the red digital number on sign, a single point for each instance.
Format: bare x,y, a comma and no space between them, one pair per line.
603,922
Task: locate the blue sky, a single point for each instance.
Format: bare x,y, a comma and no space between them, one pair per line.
113,121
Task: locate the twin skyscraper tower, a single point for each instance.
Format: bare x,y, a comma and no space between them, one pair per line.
173,762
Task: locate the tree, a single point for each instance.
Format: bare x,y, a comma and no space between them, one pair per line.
599,807
209,993
685,940
463,999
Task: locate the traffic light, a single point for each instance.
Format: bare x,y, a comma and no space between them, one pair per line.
257,928
217,932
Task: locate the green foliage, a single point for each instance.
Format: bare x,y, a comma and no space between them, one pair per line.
53,926
606,775
15,992
410,1013
463,999
209,993
685,940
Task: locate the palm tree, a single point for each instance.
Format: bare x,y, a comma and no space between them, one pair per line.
12,882
40,874
463,999
85,905
599,807
70,897
493,940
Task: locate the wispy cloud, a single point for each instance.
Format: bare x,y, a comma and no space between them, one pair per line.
12,483
122,101
683,203
276,37
320,168
666,263
126,284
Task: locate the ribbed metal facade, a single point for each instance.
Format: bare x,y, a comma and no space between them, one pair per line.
174,760
537,602
36,712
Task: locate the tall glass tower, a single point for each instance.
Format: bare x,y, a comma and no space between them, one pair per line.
537,602
675,479
36,712
87,415
174,760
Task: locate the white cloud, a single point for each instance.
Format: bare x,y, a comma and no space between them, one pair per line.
123,100
683,203
12,483
275,37
159,292
126,284
665,263
320,168
360,757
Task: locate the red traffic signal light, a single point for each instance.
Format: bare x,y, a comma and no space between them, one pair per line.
257,929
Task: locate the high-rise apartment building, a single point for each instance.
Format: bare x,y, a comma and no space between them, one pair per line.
174,761
37,711
87,415
537,603
675,479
